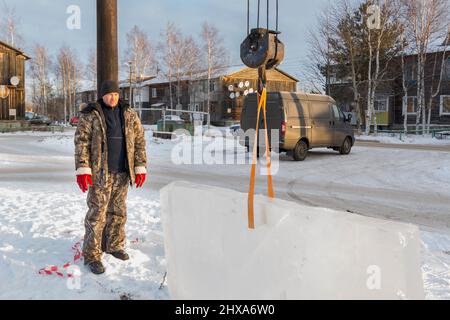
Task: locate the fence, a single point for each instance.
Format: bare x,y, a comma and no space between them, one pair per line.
441,133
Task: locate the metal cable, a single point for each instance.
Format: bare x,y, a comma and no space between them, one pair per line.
248,17
259,5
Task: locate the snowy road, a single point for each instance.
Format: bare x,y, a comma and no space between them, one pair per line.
409,185
37,184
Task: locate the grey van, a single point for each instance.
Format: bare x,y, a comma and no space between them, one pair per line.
304,121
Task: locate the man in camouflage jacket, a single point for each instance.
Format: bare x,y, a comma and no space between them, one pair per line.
110,156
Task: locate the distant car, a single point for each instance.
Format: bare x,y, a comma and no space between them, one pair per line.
40,120
74,121
170,123
29,115
172,118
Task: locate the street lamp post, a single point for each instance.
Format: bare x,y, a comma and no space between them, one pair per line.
107,45
130,97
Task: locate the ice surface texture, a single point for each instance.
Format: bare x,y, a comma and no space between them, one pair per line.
296,252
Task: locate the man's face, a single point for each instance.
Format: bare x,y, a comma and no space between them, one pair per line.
111,99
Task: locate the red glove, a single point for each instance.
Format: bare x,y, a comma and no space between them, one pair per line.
140,180
84,181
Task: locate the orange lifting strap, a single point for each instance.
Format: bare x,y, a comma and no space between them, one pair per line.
262,105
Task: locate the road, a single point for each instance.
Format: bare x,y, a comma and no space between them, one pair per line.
325,179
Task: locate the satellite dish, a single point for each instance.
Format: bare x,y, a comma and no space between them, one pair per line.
246,93
232,95
247,84
250,91
241,85
231,88
238,94
4,92
15,81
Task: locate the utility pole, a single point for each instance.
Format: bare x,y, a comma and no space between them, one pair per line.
107,45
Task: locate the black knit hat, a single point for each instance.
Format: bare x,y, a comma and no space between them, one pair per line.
109,86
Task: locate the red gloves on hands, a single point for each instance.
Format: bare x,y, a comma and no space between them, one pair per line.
140,180
84,181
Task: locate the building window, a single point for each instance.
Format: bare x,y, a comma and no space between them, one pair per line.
154,93
411,72
194,107
3,73
212,86
338,115
445,106
447,68
381,104
410,103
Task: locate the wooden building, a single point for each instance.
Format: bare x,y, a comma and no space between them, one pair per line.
227,104
390,97
12,83
225,108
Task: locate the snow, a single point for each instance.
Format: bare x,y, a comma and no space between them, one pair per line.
409,139
38,228
295,252
42,210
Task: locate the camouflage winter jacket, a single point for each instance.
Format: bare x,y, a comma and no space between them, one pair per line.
91,147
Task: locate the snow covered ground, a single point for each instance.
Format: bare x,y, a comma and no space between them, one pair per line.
409,139
42,210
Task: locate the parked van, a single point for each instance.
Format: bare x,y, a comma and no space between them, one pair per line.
304,121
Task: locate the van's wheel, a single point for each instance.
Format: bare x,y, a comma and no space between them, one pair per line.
346,147
301,151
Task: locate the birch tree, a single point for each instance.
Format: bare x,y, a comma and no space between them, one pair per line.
438,71
426,20
214,56
319,61
180,56
383,39
9,26
167,50
40,66
347,49
69,74
404,83
91,69
141,54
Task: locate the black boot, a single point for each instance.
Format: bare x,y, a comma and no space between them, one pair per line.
121,255
96,267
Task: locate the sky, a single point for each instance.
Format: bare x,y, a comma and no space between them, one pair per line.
44,22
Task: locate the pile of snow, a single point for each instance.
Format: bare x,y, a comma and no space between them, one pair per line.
296,252
409,139
38,229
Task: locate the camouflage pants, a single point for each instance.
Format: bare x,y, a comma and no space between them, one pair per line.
106,218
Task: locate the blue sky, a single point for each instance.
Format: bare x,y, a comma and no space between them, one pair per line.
44,22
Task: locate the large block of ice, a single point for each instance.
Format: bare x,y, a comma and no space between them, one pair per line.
295,252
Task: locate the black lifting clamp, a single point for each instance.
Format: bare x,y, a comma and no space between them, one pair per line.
262,49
